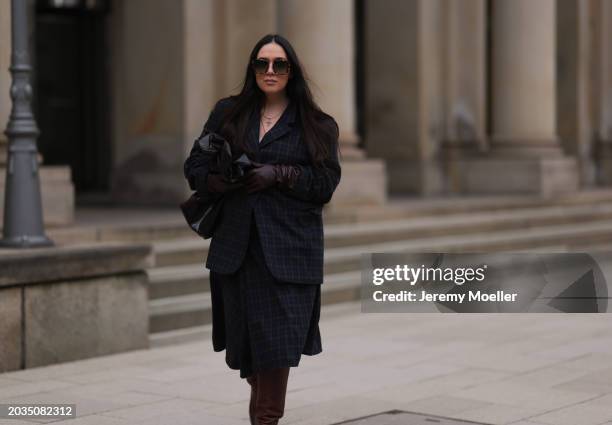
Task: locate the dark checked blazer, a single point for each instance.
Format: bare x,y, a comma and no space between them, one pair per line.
289,221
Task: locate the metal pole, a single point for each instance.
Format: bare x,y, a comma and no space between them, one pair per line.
23,219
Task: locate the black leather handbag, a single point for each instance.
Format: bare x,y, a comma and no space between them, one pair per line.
202,211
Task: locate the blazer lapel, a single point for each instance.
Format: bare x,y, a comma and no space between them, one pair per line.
281,128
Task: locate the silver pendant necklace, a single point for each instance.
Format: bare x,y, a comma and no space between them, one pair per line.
268,120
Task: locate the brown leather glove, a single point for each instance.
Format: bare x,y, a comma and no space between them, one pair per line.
286,175
260,177
263,176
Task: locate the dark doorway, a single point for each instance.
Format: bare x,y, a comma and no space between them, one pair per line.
72,90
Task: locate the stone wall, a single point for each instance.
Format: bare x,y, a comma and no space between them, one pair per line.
60,304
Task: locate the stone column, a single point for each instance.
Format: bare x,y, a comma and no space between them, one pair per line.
575,66
524,77
148,101
5,78
392,90
606,71
160,109
603,87
405,99
466,115
323,35
525,154
239,25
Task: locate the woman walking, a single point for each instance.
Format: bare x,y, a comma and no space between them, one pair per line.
266,255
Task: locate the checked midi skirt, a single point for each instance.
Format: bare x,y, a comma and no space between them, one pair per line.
261,322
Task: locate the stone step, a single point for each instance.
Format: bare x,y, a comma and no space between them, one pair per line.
592,247
186,318
180,318
406,207
100,224
181,251
194,250
393,230
180,301
561,237
204,332
180,336
193,278
192,310
183,279
179,312
174,281
154,230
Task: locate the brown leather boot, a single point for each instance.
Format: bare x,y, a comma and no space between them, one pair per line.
271,391
252,380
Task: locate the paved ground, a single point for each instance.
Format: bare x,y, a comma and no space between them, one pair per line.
521,369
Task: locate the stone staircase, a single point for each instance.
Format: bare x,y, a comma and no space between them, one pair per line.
180,306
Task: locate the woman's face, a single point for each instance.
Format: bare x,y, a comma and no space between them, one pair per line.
269,82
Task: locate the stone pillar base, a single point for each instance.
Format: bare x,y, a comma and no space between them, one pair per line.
603,153
362,183
348,146
414,177
604,171
539,175
57,193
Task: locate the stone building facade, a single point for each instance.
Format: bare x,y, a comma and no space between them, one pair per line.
433,97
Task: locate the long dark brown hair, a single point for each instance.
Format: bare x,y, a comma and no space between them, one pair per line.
318,131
